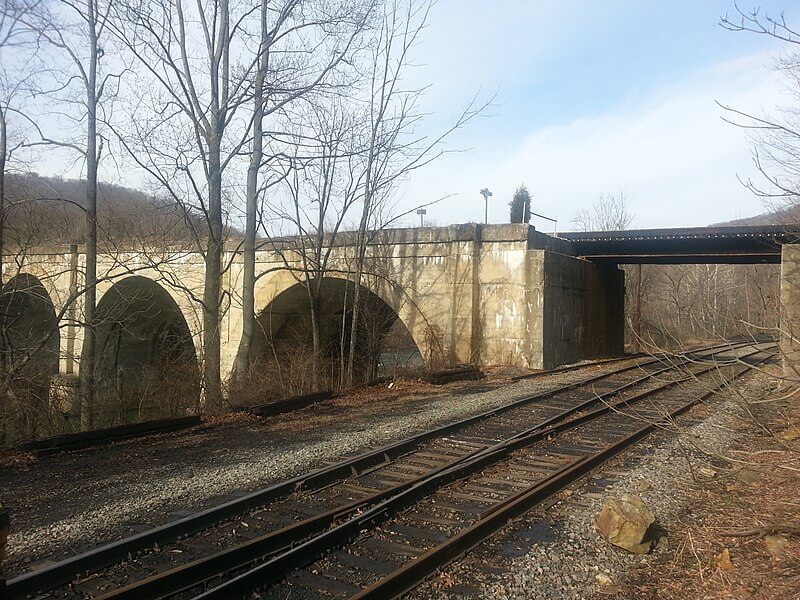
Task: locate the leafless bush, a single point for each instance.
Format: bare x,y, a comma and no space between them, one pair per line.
166,389
27,411
436,351
283,374
610,212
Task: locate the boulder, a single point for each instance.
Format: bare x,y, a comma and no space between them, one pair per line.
625,522
604,579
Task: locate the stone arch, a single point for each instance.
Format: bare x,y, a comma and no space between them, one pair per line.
283,315
30,325
29,351
395,296
146,365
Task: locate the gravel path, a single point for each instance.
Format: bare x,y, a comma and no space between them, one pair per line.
64,504
563,557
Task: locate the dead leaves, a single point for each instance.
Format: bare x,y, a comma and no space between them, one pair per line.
724,561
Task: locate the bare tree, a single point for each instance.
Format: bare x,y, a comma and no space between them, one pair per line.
322,191
775,137
188,130
391,150
18,53
208,77
15,74
610,212
280,82
251,195
78,33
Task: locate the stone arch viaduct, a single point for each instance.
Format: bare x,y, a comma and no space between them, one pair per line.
491,295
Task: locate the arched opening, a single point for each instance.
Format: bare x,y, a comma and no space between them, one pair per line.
146,366
29,352
284,355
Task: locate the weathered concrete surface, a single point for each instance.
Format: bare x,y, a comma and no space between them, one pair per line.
492,295
582,308
790,309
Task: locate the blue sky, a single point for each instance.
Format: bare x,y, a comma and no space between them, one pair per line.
594,97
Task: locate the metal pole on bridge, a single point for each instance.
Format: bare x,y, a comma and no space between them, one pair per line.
486,194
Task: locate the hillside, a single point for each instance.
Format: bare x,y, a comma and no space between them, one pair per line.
789,215
48,210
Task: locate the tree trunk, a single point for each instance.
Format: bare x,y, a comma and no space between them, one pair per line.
360,257
361,252
316,330
88,360
212,290
243,357
342,354
3,153
3,368
212,380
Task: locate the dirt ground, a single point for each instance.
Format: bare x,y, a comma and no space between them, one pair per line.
740,537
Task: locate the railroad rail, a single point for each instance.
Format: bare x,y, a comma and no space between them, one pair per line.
106,436
227,550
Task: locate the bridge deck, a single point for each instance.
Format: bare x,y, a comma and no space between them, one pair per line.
720,245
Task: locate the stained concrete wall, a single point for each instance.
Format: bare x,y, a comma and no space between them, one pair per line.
583,312
501,300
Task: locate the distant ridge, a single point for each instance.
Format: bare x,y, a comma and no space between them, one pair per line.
43,210
784,216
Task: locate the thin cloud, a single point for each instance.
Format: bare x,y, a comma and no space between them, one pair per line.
669,148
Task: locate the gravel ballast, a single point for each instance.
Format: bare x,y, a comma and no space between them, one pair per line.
64,504
564,557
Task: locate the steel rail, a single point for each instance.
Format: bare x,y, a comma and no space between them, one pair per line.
415,572
276,568
569,368
195,572
70,442
608,361
66,570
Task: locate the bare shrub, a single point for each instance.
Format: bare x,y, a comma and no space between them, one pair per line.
435,349
165,389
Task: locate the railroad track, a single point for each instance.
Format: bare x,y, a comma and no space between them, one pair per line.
256,541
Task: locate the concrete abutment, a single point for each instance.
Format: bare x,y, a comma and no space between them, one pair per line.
535,306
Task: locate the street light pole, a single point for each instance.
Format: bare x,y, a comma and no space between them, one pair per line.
486,194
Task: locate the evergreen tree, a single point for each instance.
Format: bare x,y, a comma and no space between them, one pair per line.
521,205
